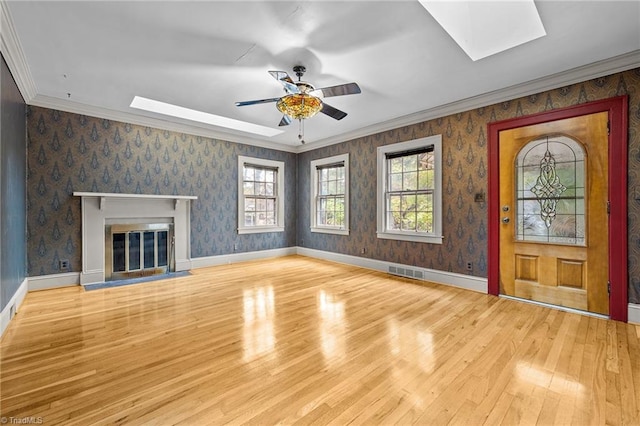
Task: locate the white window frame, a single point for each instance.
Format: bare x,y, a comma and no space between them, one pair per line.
434,237
279,165
313,212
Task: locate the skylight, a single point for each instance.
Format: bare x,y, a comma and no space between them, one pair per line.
201,117
484,28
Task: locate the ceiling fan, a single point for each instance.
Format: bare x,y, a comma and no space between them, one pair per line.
303,100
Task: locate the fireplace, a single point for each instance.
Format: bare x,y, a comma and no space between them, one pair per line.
133,235
138,250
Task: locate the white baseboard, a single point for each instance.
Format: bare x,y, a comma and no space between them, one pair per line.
203,262
92,277
183,265
633,313
13,306
44,282
467,282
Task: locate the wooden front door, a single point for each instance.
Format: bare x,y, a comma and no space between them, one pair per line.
553,201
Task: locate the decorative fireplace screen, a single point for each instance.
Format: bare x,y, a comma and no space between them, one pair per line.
138,250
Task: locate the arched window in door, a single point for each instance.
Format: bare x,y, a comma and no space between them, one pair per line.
550,191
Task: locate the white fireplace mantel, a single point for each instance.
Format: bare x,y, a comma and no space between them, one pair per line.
106,195
100,208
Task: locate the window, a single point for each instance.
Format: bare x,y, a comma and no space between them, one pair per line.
330,195
410,190
260,195
550,191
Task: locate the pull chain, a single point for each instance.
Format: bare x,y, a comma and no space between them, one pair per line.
301,130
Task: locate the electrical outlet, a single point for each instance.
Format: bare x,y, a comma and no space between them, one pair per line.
12,311
64,265
235,246
469,266
363,251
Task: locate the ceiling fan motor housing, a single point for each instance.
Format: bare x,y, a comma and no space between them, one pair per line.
299,70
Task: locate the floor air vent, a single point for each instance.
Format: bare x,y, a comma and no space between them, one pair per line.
406,272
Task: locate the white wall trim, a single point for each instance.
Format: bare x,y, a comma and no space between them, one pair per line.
92,277
183,265
315,189
633,313
16,60
467,282
382,190
576,75
45,282
157,123
244,161
14,55
224,259
15,301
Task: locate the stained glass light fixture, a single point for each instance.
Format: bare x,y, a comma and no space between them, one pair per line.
300,106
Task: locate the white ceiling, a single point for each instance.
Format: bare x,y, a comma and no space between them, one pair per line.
93,57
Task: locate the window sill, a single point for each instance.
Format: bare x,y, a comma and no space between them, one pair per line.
430,239
260,229
337,231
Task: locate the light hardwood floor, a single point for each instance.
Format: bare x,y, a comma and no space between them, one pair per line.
296,340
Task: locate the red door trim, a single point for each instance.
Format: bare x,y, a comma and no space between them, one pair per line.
618,132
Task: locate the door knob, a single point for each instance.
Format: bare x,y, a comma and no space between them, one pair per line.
505,220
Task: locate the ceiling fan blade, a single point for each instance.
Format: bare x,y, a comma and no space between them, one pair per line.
332,112
286,81
260,101
286,120
340,90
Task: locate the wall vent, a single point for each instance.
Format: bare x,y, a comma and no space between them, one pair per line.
406,272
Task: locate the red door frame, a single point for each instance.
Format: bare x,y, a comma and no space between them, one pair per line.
618,130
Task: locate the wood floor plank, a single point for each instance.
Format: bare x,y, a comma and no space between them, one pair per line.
296,340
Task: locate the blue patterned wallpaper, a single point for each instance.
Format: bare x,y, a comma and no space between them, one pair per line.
464,221
70,152
464,144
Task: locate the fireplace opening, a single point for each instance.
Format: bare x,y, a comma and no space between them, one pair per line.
138,250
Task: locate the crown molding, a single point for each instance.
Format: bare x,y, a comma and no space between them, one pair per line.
14,55
141,120
597,69
613,65
16,60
